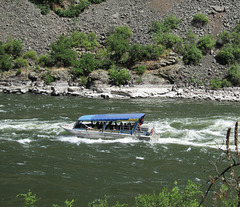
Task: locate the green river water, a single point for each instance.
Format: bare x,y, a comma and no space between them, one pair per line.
37,154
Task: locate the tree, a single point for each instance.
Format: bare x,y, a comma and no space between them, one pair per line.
61,52
85,65
118,44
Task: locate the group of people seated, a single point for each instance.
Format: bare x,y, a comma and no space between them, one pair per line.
110,126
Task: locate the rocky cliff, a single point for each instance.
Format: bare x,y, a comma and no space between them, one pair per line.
22,20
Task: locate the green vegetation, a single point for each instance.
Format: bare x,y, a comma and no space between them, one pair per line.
175,197
118,76
9,51
64,10
192,55
31,54
199,20
20,63
206,43
82,53
162,32
140,69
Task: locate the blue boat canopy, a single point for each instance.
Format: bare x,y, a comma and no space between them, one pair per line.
112,117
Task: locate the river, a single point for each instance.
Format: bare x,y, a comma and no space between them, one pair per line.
37,154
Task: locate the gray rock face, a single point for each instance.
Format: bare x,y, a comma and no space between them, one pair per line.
23,20
99,78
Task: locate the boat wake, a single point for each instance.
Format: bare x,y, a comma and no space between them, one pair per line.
190,132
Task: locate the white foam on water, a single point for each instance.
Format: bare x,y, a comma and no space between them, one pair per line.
77,140
24,141
184,131
140,158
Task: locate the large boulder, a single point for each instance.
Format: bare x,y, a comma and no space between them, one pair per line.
99,78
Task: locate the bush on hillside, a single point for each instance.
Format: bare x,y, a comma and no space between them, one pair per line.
225,56
224,38
5,62
169,23
233,74
169,40
199,20
103,59
80,39
192,55
13,47
218,83
190,38
140,69
118,44
61,52
20,63
206,43
45,61
73,10
118,76
31,54
139,52
84,66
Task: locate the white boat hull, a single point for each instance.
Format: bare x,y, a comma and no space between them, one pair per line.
92,134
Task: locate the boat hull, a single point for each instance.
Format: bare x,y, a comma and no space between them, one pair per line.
92,134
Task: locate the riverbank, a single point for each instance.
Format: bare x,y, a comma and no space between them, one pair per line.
63,88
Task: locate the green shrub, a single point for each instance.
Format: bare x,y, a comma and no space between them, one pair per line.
13,47
49,79
225,56
233,74
199,20
80,39
226,83
29,198
45,60
190,38
5,62
224,38
83,80
84,66
61,52
20,63
31,54
73,10
169,40
216,83
140,69
19,71
103,59
206,43
119,76
118,44
192,55
169,23
139,52
173,197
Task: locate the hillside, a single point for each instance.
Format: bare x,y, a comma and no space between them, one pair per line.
22,20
